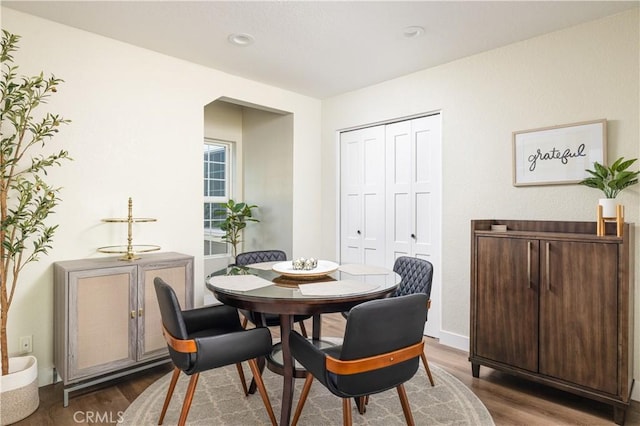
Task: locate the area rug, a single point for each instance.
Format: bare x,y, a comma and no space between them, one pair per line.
219,400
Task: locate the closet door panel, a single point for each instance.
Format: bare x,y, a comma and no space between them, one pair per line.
399,202
425,137
399,150
400,225
423,226
362,216
373,219
351,241
350,193
423,156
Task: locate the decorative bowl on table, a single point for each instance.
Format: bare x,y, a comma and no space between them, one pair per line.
304,264
292,268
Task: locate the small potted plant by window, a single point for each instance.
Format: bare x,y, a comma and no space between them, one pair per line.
236,217
611,181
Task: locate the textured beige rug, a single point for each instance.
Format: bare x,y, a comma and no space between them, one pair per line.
219,400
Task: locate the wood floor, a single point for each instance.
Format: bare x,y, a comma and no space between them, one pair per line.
511,401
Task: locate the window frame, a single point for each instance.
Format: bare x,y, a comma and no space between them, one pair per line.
210,234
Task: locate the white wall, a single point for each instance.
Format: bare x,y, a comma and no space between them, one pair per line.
137,130
268,170
583,73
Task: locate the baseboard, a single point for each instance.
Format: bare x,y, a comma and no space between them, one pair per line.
45,376
454,340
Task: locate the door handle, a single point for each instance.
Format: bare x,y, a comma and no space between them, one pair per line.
413,236
358,232
529,264
547,267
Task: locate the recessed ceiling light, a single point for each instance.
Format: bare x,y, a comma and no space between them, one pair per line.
240,39
413,31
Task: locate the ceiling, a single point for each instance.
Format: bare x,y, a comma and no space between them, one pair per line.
320,48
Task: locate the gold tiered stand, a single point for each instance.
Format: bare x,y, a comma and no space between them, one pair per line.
130,250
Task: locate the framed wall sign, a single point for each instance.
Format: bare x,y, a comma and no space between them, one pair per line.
559,154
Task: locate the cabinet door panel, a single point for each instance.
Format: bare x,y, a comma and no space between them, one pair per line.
578,313
507,301
150,340
100,320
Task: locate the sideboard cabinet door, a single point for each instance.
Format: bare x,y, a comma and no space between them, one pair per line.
507,301
178,274
579,313
100,320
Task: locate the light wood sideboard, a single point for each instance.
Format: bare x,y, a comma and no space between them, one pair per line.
106,317
553,303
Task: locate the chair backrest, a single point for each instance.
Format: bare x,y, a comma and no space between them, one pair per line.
377,327
173,321
250,257
416,274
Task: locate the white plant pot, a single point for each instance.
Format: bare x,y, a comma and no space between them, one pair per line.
19,390
608,206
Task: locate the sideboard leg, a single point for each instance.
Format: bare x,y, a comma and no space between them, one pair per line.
619,413
475,370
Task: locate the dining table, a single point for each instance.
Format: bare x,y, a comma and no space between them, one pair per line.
278,288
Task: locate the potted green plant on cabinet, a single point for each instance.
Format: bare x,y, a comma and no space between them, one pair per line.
26,201
611,181
236,217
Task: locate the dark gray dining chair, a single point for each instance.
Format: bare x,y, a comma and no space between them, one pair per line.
206,338
380,351
417,277
259,318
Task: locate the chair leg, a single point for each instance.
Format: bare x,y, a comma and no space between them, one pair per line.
405,405
263,391
242,379
303,329
426,367
362,404
172,386
303,399
346,412
188,398
244,323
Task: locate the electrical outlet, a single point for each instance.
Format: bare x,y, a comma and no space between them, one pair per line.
26,344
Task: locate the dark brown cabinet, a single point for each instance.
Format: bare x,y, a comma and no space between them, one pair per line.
552,302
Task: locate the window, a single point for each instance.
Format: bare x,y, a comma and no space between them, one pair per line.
217,188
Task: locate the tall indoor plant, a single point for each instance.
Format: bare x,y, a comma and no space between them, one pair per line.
611,180
236,217
26,200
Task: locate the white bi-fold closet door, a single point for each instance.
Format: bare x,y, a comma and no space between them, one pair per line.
390,201
362,196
